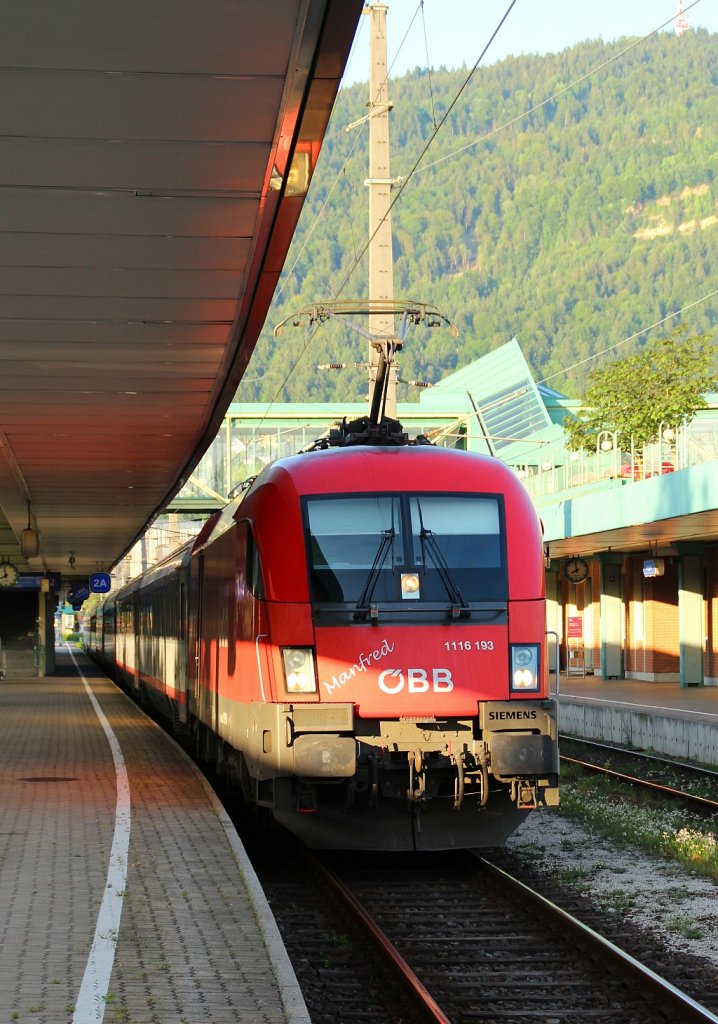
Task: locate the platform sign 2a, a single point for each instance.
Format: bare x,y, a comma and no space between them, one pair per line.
100,583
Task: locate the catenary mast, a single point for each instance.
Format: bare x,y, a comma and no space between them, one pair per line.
379,182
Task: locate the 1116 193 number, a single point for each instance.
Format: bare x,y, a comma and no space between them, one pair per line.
469,645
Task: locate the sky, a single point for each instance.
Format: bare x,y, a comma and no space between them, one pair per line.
458,30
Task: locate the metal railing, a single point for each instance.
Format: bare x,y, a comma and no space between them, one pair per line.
679,447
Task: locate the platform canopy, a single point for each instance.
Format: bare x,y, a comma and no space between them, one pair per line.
154,158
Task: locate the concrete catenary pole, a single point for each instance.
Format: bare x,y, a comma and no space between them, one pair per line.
381,269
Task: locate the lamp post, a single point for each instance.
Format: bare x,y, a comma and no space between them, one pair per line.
666,435
607,441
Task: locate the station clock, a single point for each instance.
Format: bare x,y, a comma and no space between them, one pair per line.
576,570
8,574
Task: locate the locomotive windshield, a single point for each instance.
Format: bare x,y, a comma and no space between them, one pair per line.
386,548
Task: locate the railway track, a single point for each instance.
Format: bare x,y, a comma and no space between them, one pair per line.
462,942
694,785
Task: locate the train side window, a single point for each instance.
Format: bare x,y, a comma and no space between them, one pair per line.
255,579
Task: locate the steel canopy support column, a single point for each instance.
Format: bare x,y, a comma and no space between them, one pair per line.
690,616
612,616
45,634
554,619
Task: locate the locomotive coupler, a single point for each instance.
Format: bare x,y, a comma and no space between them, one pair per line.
416,792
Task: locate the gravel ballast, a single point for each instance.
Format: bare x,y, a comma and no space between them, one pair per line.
654,894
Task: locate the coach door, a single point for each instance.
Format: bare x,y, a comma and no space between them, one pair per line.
208,622
181,667
136,641
194,647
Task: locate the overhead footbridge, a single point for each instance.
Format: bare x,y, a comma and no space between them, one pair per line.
154,159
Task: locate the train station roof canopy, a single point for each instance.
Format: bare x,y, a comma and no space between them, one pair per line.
153,163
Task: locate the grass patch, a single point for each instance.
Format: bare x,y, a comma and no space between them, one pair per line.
575,876
684,926
617,812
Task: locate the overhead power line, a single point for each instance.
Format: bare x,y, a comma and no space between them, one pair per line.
637,334
549,99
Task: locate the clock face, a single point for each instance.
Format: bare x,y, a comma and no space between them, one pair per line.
8,574
576,570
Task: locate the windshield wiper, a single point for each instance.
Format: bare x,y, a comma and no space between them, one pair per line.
459,607
364,606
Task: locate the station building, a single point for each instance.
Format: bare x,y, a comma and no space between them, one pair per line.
631,536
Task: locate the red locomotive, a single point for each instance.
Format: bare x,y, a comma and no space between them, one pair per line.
359,640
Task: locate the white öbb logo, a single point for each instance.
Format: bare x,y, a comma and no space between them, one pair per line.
416,680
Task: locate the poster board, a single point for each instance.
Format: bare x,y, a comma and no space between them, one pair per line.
575,654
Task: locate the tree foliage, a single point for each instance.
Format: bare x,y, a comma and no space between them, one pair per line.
663,385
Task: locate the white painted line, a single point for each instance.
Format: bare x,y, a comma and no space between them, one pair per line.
92,998
630,704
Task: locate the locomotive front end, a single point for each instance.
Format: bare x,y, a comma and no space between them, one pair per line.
418,717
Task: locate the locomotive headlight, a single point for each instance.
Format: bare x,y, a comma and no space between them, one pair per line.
299,673
410,585
524,667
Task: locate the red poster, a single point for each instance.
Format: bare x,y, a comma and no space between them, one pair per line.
575,626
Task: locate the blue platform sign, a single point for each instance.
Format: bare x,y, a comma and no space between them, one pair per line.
100,583
78,595
33,580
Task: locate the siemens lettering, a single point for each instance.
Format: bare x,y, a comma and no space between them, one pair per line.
511,716
416,680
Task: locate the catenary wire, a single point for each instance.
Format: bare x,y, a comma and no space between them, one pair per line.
483,138
312,330
404,180
416,170
342,172
631,337
407,178
549,99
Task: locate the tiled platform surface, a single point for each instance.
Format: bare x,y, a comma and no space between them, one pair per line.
193,942
664,717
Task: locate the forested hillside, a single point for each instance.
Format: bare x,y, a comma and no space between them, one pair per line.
582,223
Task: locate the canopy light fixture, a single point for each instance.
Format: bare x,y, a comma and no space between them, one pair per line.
29,538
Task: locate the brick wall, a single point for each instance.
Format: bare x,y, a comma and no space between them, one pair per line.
661,611
652,648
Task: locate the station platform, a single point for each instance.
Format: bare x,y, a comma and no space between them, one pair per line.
665,718
127,894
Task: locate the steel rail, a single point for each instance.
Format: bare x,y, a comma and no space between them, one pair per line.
416,989
698,769
670,790
691,1012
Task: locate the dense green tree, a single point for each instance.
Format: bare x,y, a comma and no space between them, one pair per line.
664,384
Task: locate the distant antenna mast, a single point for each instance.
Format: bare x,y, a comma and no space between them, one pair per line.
379,182
681,21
